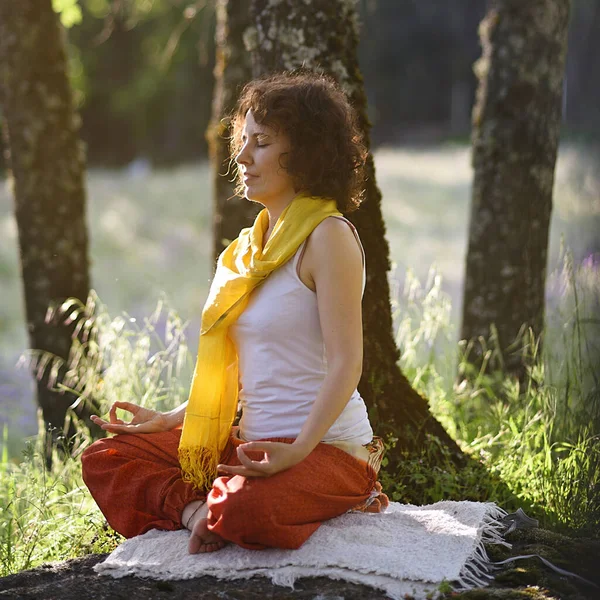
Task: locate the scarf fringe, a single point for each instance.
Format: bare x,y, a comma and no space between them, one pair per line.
199,466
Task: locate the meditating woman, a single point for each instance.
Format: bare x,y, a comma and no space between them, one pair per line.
281,335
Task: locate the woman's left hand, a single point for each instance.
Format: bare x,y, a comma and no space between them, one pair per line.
277,457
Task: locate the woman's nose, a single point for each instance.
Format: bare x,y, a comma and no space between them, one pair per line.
243,156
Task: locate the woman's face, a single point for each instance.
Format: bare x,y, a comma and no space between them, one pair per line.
265,179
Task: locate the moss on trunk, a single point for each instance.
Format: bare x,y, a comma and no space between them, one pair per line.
516,123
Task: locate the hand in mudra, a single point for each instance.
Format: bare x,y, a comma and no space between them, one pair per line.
145,420
277,457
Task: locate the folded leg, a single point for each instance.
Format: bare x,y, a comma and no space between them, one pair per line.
284,510
136,481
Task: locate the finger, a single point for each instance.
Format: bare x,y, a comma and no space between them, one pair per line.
122,428
264,467
247,449
114,426
256,446
112,418
247,461
112,414
129,406
100,421
240,470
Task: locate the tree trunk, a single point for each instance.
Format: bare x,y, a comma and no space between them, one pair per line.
47,161
232,71
324,34
516,123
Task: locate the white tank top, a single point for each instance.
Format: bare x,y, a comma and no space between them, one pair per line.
282,362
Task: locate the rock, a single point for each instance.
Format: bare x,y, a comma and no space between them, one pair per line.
75,580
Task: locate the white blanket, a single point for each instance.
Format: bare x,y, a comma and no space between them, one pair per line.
406,550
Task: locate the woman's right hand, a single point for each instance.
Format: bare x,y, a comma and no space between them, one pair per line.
145,420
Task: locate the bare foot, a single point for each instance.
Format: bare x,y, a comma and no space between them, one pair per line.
201,539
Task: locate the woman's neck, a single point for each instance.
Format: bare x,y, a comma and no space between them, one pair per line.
275,211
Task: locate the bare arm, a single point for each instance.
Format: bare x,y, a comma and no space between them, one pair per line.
336,269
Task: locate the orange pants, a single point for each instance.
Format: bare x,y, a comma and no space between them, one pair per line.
136,481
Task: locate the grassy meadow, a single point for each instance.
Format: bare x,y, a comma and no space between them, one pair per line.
150,260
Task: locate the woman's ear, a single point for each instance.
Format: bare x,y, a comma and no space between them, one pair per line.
284,160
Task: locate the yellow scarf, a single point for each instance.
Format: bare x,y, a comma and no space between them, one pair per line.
242,266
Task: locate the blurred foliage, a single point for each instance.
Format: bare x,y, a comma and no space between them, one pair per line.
142,72
69,11
142,75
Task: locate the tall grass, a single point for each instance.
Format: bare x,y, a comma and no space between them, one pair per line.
46,514
119,358
540,436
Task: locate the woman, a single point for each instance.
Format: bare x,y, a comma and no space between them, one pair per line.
281,334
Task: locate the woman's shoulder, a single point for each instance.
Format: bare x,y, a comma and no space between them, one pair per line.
333,242
336,237
334,232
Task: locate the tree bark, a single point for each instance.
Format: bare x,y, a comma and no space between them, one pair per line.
516,124
323,34
232,71
46,159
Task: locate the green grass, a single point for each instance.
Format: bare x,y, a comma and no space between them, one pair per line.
541,436
46,515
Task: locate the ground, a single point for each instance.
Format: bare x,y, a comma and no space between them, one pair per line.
526,580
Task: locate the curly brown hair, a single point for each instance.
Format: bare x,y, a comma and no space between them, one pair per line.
327,153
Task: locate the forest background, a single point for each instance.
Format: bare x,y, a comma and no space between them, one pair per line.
142,71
